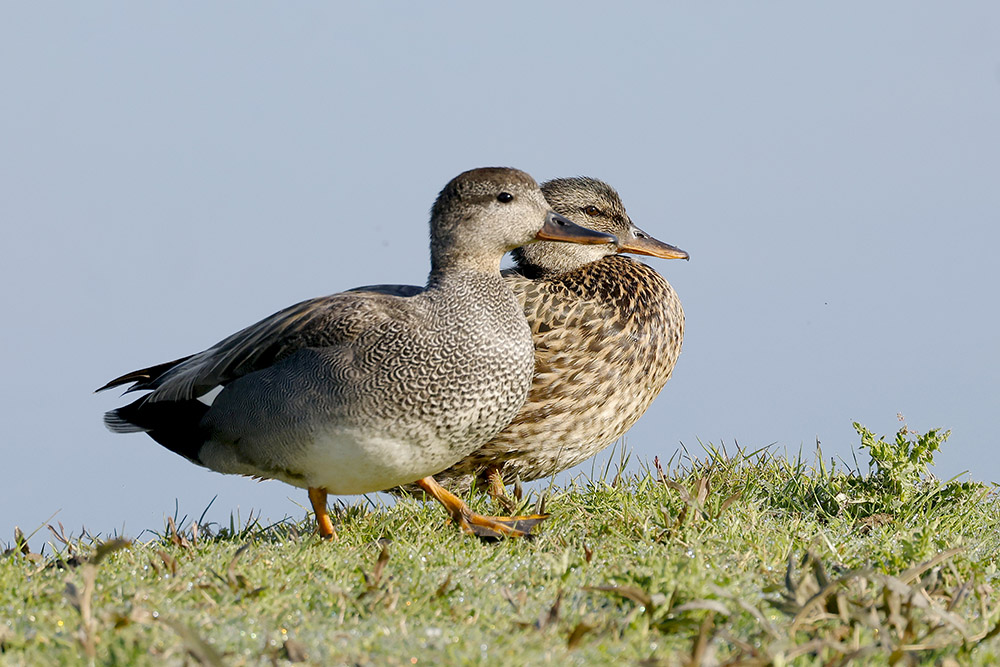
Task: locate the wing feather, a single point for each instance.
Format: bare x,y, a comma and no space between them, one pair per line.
322,322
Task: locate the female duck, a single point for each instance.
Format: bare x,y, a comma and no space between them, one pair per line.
607,332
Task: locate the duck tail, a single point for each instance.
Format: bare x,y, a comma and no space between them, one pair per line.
174,424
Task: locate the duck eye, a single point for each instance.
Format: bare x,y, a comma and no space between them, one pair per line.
505,197
591,210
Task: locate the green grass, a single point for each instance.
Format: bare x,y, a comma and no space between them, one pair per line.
740,558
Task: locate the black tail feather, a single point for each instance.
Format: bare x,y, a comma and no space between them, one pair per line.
174,424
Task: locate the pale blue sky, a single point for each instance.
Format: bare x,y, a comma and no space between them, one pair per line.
171,173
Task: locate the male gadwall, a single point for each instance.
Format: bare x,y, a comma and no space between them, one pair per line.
363,391
607,332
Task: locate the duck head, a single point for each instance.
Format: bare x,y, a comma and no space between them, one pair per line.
596,205
483,213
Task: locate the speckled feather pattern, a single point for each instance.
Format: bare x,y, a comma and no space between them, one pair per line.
458,384
606,336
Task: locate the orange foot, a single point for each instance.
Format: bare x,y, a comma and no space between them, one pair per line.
488,527
318,499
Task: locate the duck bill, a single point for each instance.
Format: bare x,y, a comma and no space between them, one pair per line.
558,228
647,245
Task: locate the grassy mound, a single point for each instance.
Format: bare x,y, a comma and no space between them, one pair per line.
745,558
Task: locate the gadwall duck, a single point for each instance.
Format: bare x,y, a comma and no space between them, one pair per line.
362,391
607,331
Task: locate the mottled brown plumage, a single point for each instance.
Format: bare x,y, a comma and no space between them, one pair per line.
607,332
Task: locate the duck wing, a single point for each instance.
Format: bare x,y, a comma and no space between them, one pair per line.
392,290
329,321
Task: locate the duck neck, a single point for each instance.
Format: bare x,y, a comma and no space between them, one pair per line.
444,266
547,258
451,275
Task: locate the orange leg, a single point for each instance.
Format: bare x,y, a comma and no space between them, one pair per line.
318,499
477,524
